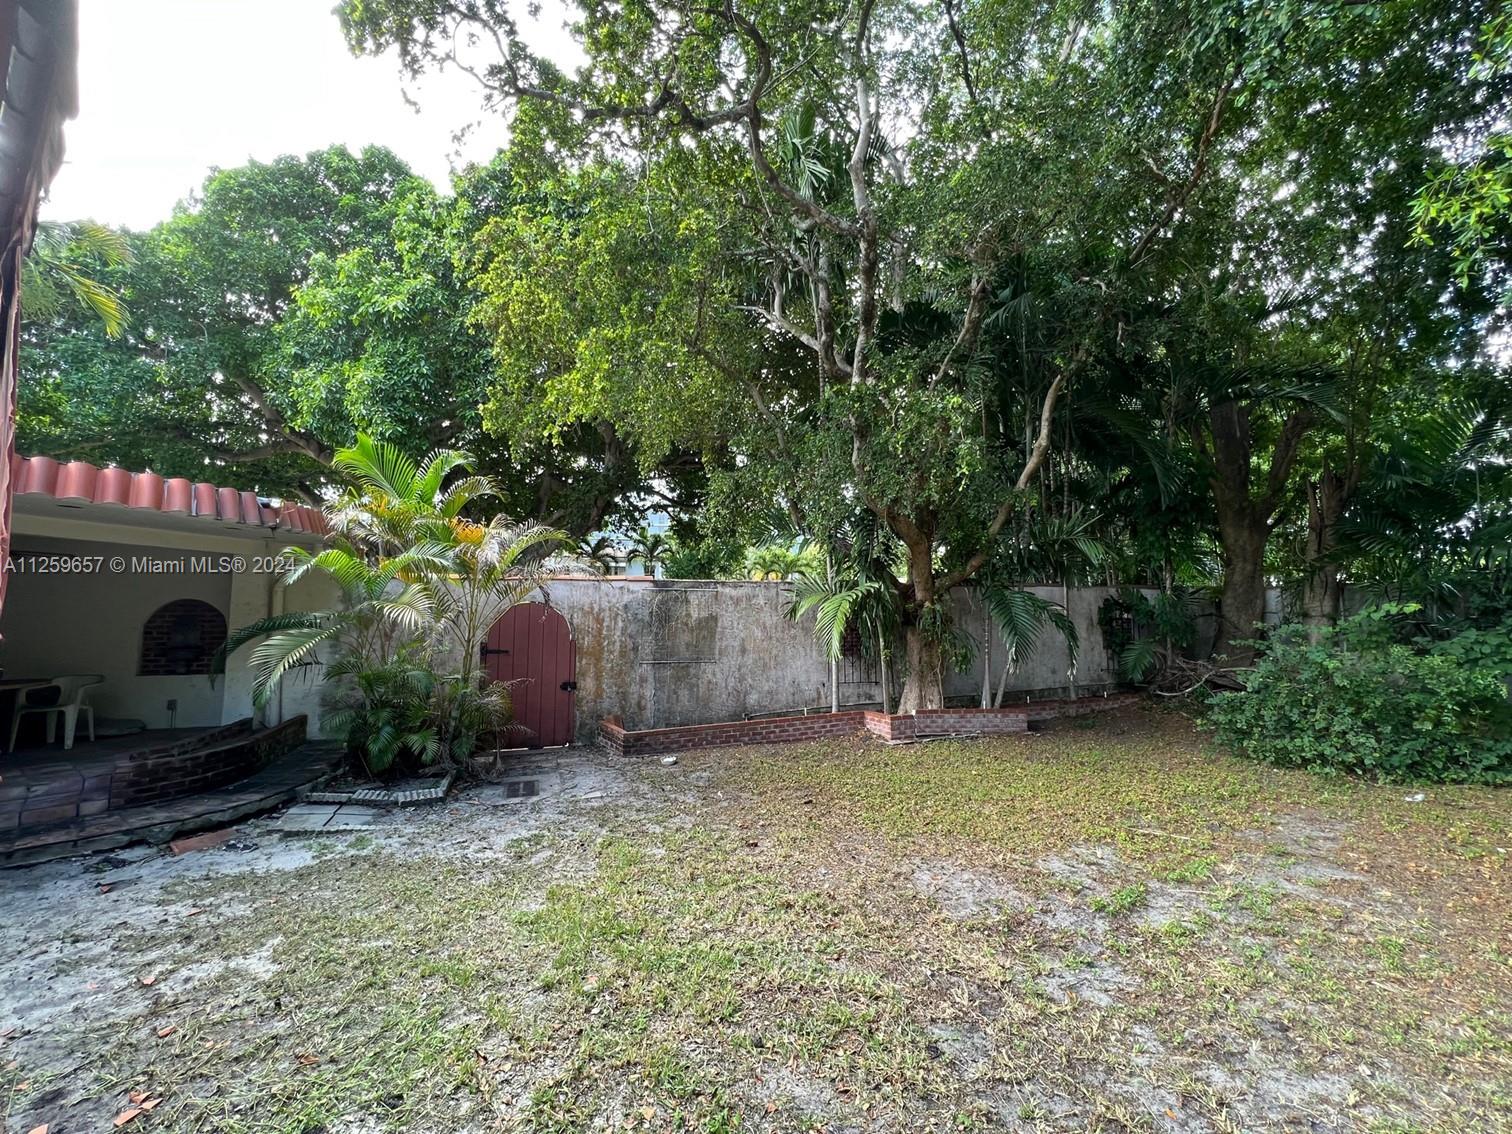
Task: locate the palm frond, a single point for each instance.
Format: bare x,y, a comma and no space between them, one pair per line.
379,465
283,651
1022,616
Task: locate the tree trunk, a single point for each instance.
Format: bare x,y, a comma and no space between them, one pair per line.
1322,590
1241,606
924,687
924,684
1246,512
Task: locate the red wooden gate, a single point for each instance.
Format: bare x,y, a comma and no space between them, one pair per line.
533,641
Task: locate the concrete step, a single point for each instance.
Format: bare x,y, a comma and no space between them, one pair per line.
287,778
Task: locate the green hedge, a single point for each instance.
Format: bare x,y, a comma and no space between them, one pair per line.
1357,701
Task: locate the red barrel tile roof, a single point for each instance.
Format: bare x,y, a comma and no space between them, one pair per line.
88,484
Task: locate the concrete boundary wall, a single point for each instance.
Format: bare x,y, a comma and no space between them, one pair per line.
667,653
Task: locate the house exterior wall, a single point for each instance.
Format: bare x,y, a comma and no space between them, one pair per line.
73,622
70,621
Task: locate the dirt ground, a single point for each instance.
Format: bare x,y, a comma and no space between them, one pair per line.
1107,926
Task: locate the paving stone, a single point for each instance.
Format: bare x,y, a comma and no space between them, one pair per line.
303,809
354,818
405,792
201,842
305,817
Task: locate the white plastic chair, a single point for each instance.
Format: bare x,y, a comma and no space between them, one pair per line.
69,705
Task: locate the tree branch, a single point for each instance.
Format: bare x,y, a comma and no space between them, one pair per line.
1037,454
1179,195
971,325
257,397
960,41
1283,459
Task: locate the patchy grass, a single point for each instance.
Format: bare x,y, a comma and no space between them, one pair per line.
1097,929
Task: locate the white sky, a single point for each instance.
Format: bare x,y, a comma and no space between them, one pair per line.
169,88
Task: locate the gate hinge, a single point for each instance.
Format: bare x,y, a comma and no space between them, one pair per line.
569,687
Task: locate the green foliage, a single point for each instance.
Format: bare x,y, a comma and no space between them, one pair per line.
1469,199
62,265
386,713
1483,650
422,585
699,554
1122,901
402,716
841,603
1361,701
1142,633
775,562
282,308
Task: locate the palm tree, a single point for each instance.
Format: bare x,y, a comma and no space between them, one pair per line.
766,564
1021,617
395,502
59,267
488,568
421,585
1055,546
597,552
651,548
854,591
379,616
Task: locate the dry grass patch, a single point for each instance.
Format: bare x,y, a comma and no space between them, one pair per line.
1107,928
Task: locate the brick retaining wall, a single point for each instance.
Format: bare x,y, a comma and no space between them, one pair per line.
894,728
76,786
155,776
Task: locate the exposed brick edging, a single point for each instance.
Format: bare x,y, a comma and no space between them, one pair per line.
162,772
189,769
894,728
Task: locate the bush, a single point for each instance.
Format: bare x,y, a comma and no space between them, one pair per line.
402,717
1359,701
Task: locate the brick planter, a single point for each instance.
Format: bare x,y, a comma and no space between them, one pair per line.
892,728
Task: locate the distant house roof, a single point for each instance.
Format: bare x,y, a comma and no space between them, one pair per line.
79,483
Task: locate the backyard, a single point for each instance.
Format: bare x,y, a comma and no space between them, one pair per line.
1108,925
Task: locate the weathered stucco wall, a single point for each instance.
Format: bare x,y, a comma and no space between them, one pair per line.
685,652
1047,667
73,621
660,653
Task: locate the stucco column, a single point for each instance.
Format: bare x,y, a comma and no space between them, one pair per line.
248,603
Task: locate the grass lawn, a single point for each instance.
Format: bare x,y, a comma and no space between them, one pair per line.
1103,927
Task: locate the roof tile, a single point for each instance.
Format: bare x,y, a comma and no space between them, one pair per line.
149,491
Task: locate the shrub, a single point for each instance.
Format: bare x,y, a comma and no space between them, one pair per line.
421,583
1359,701
401,717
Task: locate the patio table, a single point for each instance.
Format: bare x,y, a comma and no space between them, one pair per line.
19,685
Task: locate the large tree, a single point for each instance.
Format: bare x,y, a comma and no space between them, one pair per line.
194,387
290,305
1311,320
884,174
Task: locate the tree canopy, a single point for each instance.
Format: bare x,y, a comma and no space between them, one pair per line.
970,266
1192,294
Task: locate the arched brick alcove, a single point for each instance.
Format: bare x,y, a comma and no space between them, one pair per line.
180,638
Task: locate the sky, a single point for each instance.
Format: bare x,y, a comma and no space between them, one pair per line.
170,88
